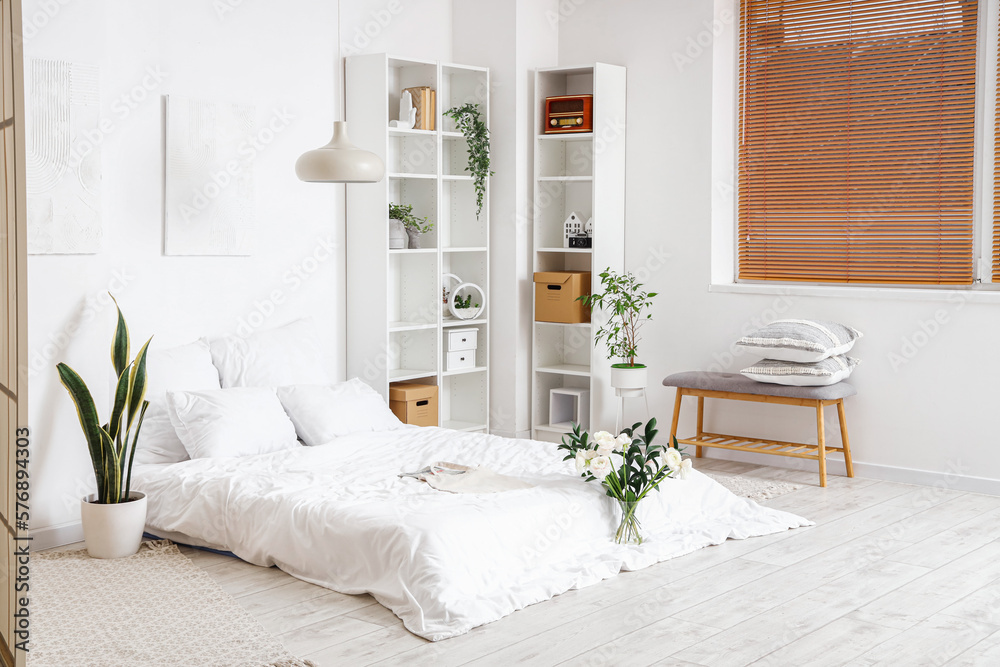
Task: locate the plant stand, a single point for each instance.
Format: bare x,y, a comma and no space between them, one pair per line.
621,395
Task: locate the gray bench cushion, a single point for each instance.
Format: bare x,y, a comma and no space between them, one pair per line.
743,385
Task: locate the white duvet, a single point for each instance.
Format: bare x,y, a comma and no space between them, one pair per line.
339,516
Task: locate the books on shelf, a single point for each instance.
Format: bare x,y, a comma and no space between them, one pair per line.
425,102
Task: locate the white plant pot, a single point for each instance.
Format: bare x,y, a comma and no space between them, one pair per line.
629,378
113,531
397,235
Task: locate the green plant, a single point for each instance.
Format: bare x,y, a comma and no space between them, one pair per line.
112,444
464,303
477,135
405,215
629,467
624,300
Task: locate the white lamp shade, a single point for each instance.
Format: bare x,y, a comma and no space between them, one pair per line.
339,161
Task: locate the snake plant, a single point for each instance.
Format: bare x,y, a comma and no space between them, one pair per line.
112,444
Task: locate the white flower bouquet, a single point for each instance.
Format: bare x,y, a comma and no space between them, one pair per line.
629,466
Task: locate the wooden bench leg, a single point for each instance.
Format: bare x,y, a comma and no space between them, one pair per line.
677,415
821,437
844,439
701,425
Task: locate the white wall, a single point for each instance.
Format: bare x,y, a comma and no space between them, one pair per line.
282,57
520,40
926,400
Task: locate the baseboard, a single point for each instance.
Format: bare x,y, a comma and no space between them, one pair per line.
517,435
56,536
945,479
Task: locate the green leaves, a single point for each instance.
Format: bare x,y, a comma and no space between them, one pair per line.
120,343
641,463
477,136
86,411
405,215
625,301
109,444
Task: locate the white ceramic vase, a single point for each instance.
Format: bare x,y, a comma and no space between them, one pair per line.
397,235
629,378
115,530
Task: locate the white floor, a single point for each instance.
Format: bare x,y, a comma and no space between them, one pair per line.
891,575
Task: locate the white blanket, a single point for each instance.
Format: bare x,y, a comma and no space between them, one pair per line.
339,516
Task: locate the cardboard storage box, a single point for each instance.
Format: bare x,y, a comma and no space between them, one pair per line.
415,404
556,294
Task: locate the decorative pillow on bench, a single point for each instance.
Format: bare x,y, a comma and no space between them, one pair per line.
815,374
800,341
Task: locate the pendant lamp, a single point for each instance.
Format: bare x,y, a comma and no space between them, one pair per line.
339,161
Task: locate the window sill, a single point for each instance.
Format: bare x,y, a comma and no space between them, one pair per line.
979,294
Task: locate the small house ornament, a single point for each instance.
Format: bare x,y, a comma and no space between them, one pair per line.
575,234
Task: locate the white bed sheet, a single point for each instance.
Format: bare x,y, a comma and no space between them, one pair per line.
339,516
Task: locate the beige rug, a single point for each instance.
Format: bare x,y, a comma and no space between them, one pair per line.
757,489
153,608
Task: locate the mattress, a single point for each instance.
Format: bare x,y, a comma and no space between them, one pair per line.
339,515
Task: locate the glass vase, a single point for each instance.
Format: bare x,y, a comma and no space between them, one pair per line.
629,530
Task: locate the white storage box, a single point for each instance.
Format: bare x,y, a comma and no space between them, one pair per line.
569,405
463,339
461,359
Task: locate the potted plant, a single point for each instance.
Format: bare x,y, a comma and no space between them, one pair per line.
626,304
414,226
468,119
114,517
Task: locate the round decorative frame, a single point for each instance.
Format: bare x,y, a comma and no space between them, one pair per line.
463,313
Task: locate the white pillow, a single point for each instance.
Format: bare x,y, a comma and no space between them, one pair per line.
815,374
322,413
801,341
290,354
187,367
230,422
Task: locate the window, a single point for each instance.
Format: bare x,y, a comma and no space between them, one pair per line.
856,141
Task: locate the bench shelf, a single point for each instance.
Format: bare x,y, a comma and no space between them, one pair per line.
740,443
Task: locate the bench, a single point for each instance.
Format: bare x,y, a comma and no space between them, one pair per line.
733,386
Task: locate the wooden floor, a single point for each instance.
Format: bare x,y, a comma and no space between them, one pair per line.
891,574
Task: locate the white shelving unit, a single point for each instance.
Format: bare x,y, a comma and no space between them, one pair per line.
585,173
396,321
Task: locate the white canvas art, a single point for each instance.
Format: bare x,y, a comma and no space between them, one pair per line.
63,157
209,199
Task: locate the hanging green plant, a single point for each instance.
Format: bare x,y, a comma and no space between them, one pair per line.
477,135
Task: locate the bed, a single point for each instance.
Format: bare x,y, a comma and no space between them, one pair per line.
338,515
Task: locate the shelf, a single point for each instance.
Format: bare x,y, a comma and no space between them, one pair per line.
475,249
412,251
428,177
457,425
567,179
568,136
396,132
452,135
565,427
410,326
458,323
400,374
575,251
565,369
455,177
565,324
465,371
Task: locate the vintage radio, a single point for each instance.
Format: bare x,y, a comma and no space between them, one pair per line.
569,113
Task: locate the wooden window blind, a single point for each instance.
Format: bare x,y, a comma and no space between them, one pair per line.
996,179
856,140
